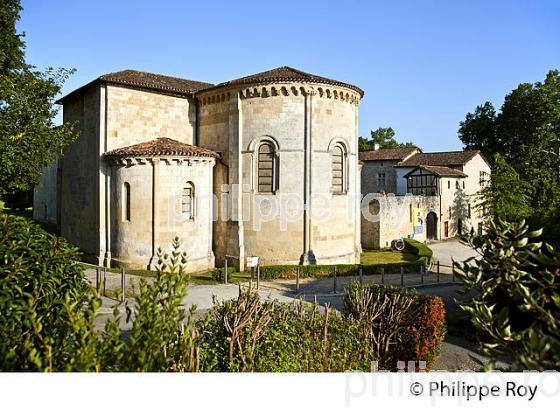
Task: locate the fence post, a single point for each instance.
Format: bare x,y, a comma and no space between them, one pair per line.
402,275
422,274
258,275
452,274
361,270
297,279
382,275
104,280
437,271
123,285
225,271
334,279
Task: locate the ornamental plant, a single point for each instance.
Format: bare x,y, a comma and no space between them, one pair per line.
517,309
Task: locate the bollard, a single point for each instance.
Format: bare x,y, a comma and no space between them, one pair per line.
97,278
437,271
225,271
258,276
361,270
382,275
402,276
104,280
297,279
334,279
422,274
123,285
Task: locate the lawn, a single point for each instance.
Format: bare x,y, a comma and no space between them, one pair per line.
384,256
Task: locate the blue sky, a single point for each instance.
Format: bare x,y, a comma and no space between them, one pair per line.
422,64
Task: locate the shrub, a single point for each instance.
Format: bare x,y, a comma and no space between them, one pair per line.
402,325
218,273
422,251
379,324
47,307
517,308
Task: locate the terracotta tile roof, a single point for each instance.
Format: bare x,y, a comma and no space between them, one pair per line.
441,171
288,74
162,147
148,81
442,159
388,154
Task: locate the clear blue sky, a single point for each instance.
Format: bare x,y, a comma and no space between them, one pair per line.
423,64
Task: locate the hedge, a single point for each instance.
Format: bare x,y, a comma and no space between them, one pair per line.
422,251
317,271
417,322
250,335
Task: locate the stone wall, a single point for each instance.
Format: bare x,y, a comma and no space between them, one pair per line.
370,171
303,123
45,196
391,217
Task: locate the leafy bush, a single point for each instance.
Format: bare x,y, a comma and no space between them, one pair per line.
218,273
400,324
518,305
46,305
422,251
316,271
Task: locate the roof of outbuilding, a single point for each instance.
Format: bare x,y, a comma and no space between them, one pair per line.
288,74
444,159
150,81
162,147
440,171
388,154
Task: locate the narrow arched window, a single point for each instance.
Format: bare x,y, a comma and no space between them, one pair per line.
266,168
338,170
187,201
126,202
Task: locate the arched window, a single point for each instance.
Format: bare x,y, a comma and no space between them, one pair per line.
126,201
187,201
338,170
266,168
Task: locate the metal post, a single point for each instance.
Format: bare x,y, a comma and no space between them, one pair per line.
453,274
297,279
402,275
382,275
361,270
123,284
225,271
422,274
104,280
334,279
97,276
258,275
437,271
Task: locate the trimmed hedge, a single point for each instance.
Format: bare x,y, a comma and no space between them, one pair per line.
422,251
317,271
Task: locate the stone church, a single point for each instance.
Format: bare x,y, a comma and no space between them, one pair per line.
265,165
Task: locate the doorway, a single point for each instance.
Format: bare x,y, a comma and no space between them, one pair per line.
431,226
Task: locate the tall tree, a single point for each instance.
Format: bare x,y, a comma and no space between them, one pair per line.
29,141
478,130
383,138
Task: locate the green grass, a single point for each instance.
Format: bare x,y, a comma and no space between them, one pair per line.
383,256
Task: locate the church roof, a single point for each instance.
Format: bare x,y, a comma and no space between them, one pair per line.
388,154
150,81
161,147
442,159
287,74
440,171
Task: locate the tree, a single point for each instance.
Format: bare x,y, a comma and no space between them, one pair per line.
507,196
478,130
526,133
384,138
29,141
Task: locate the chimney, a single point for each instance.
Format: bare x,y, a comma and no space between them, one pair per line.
376,147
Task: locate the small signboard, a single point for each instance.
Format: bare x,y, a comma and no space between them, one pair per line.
252,261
